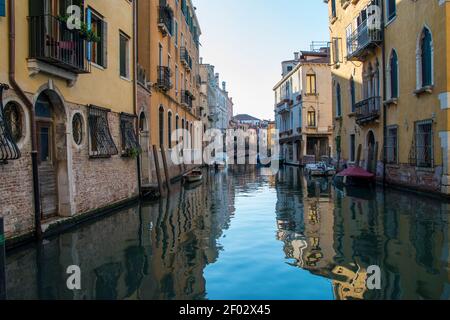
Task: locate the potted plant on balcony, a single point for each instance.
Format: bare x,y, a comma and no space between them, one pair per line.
84,31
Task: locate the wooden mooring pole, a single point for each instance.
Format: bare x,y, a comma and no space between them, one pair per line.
158,171
2,262
166,169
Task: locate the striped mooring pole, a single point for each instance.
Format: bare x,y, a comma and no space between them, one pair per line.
2,262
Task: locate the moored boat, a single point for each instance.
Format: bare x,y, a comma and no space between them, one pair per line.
193,176
355,176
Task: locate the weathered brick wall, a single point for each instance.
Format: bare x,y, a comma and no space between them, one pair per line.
16,188
101,182
95,183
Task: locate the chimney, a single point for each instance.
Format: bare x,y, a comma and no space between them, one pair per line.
217,79
201,60
224,86
296,55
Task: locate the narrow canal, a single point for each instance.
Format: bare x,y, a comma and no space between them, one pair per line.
241,235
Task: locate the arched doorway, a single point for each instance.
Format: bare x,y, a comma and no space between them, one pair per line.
371,163
52,155
144,143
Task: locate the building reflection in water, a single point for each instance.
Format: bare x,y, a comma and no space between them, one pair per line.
338,234
176,240
161,250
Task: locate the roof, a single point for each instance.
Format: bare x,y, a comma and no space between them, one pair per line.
245,117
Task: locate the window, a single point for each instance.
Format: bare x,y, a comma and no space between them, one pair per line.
424,144
311,84
2,8
176,32
391,9
161,127
101,142
14,119
169,129
353,148
77,129
392,145
130,144
336,45
124,56
352,95
8,147
425,59
97,51
338,101
348,34
333,8
311,118
289,68
393,74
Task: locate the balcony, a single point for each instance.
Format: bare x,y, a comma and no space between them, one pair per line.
185,58
284,106
164,83
368,110
165,18
53,43
187,98
363,40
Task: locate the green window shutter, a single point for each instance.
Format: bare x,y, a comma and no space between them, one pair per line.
105,44
2,8
426,59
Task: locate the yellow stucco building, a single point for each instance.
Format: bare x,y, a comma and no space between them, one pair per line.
391,84
168,51
70,108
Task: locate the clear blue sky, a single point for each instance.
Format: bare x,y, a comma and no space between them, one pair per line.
247,40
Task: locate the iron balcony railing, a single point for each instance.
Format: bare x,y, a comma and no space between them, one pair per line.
164,75
368,110
367,35
51,41
185,58
165,20
186,98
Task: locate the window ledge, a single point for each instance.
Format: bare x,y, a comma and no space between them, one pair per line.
392,101
125,78
426,89
333,20
351,114
345,4
97,66
391,20
424,169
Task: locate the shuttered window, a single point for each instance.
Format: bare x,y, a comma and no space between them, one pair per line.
97,51
2,8
352,95
338,101
394,74
426,58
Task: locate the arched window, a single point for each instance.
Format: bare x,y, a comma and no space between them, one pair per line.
338,101
169,129
177,120
161,126
425,59
312,118
393,74
352,95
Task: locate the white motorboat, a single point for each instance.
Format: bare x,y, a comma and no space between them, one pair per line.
193,176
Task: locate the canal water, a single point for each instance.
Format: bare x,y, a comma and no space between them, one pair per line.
242,235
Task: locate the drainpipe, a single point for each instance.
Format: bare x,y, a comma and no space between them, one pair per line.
29,105
383,52
138,160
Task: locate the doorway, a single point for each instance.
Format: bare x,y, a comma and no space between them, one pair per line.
371,163
52,155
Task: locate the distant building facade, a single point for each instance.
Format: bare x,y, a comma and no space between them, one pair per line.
303,107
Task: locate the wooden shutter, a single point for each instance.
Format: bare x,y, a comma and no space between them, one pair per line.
2,8
105,44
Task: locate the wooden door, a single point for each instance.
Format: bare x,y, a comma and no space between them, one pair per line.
47,170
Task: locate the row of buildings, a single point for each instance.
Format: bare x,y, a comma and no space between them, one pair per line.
384,90
82,105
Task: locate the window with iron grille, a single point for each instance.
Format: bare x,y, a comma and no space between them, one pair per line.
392,145
8,147
423,144
101,143
130,144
